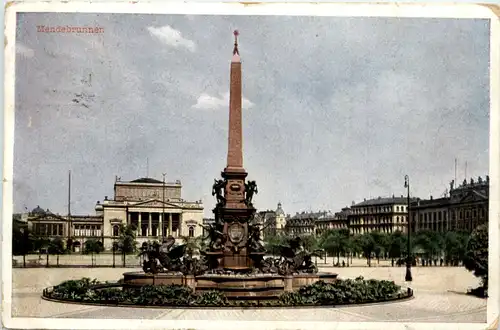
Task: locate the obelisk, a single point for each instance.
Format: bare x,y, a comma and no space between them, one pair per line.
234,172
235,147
236,211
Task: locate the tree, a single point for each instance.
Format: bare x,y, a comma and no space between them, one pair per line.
41,243
476,257
310,242
56,246
381,243
93,246
22,243
397,245
69,245
367,244
272,242
332,243
126,242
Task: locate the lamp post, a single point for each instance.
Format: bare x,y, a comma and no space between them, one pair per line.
408,276
163,209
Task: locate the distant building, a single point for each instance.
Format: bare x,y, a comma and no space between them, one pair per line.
303,223
207,222
332,221
155,208
384,214
464,209
272,222
44,223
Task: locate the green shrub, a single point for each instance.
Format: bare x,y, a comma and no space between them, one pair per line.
347,291
212,298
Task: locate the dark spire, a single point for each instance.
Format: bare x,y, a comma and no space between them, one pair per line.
235,50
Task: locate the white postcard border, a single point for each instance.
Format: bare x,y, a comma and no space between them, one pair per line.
301,9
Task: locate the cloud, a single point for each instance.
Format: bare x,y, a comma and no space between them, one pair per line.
24,51
206,101
172,37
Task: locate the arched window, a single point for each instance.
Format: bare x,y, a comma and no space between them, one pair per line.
191,231
115,230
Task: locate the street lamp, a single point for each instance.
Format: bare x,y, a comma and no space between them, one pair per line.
163,209
408,276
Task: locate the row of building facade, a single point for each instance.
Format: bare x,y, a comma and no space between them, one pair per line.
156,209
464,208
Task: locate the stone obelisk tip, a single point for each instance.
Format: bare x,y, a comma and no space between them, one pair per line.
236,53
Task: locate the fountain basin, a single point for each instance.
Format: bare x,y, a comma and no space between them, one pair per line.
253,286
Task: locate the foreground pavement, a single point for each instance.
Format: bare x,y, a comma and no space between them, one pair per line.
439,297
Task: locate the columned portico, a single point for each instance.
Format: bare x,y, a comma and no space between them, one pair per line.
170,224
151,223
141,203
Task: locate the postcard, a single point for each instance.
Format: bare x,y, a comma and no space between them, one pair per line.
233,165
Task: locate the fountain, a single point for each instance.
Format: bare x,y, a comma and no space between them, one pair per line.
234,260
233,269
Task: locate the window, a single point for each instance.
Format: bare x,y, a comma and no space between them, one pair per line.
116,230
397,219
397,208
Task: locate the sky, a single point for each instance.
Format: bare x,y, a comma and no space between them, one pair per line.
335,110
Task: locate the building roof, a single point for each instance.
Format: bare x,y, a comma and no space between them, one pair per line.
146,180
38,210
431,202
279,210
307,215
384,201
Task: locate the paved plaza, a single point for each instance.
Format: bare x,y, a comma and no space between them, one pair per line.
439,297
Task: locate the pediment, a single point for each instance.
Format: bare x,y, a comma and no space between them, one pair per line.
156,203
473,197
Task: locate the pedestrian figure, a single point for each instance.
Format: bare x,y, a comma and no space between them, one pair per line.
392,262
441,262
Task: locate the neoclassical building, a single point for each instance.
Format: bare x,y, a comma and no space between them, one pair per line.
384,214
272,222
464,209
332,221
155,208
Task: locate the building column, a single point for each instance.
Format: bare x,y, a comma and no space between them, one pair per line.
179,230
170,223
150,223
139,224
160,225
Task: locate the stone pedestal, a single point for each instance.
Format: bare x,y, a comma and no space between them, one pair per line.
190,281
288,283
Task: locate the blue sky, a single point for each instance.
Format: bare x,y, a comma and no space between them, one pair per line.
336,109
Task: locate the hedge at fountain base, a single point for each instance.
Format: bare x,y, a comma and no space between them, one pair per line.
342,292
